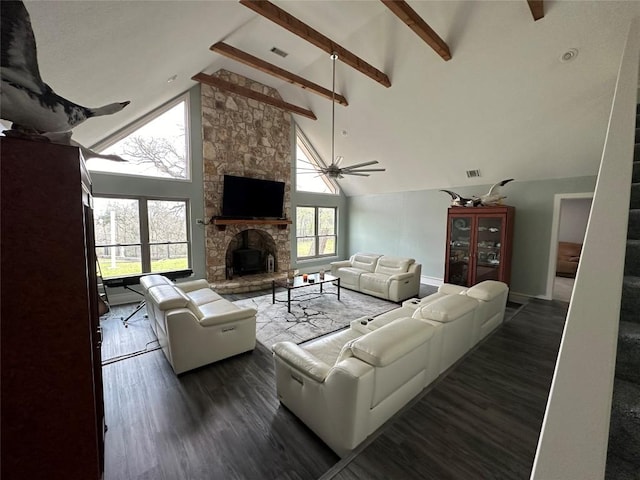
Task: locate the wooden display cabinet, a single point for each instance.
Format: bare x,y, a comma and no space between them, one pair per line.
479,244
52,397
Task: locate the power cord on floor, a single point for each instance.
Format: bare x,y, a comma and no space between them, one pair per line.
133,354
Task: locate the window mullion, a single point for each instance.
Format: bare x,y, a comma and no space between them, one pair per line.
145,249
316,232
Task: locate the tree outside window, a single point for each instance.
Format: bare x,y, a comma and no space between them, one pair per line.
139,235
315,231
155,146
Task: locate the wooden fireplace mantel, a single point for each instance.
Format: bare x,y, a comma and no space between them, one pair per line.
221,223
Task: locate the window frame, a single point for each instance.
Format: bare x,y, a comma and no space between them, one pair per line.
143,224
141,122
316,236
313,156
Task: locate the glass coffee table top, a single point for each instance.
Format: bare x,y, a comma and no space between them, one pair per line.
299,282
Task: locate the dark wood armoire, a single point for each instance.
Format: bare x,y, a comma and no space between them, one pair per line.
52,399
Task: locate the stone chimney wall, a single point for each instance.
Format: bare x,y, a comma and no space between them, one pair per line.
248,138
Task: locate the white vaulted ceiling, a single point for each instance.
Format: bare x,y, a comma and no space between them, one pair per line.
504,103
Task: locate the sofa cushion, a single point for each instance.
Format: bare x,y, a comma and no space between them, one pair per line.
446,309
365,261
222,311
350,276
168,297
329,347
374,282
202,296
449,289
487,290
388,265
387,344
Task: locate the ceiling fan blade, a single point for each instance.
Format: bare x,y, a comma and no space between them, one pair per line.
364,170
363,164
338,160
356,174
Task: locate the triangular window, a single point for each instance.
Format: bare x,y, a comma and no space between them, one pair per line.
154,146
308,177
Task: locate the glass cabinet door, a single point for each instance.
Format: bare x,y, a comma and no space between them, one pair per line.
459,250
488,247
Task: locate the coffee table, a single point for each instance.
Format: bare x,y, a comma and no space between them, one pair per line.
299,282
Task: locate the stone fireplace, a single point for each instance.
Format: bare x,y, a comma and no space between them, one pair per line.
244,137
248,253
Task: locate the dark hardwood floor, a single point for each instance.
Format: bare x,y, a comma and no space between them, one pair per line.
482,420
224,421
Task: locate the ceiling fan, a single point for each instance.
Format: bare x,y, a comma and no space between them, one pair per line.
334,170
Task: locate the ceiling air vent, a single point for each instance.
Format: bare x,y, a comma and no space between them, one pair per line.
277,51
473,173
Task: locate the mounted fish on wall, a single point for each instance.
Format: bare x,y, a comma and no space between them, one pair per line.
36,111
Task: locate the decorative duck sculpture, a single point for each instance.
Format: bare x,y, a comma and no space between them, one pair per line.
30,104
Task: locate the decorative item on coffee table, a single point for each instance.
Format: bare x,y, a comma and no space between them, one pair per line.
301,281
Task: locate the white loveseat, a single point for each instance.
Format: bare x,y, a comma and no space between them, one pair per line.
345,385
195,326
384,276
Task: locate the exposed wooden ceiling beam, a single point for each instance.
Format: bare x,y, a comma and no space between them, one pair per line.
537,8
295,26
247,92
408,15
248,59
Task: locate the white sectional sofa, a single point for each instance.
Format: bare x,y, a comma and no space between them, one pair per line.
347,384
384,276
194,325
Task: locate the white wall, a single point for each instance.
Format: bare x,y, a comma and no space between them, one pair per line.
414,224
574,214
575,430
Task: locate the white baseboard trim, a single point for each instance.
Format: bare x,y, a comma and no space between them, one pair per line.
520,297
436,282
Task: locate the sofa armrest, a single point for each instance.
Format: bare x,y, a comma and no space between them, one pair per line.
301,360
226,317
336,265
398,277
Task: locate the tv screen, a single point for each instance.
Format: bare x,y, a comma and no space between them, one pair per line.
245,197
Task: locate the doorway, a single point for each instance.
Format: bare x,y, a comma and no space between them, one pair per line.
570,217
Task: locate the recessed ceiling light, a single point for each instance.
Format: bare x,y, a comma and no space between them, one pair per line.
171,78
569,55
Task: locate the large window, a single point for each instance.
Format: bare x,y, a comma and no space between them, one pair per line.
308,177
315,232
140,235
154,146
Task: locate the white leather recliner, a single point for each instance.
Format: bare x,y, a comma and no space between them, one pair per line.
194,325
346,386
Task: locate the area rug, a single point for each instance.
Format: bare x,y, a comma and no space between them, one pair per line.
312,314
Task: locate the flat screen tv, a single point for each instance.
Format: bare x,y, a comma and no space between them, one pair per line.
245,197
